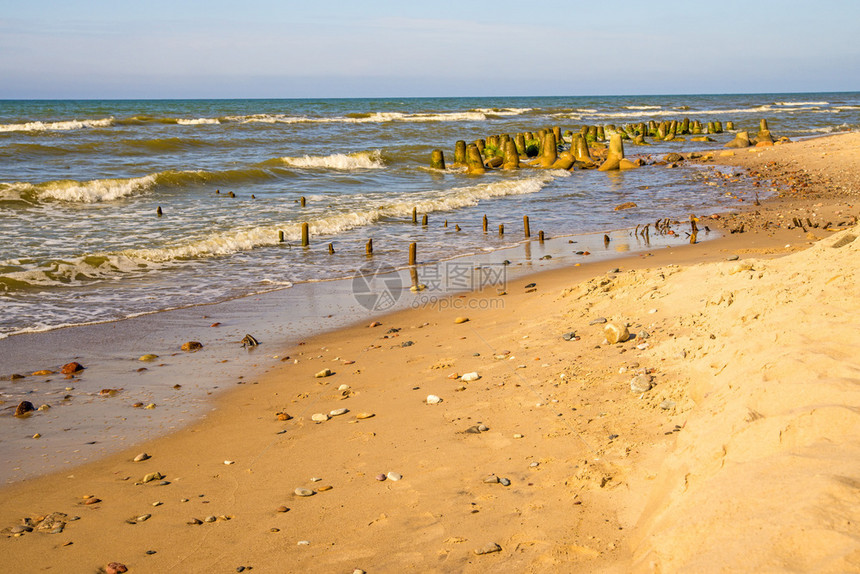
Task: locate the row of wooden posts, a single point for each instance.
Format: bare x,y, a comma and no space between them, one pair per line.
413,247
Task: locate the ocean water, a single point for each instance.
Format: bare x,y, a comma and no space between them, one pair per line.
80,183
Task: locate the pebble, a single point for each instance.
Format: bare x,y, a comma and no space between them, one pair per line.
157,503
732,258
534,464
433,400
343,387
460,320
210,519
143,517
468,377
324,488
229,462
518,436
192,346
141,457
70,368
324,373
598,321
304,492
488,549
152,476
23,408
361,416
115,568
304,543
338,412
615,333
381,477
504,482
195,521
319,417
667,404
483,428
492,479
641,383
393,476
282,509
571,336
148,357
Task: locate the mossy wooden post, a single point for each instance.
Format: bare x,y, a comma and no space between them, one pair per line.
526,229
460,152
331,248
694,229
763,133
685,126
158,211
520,141
302,201
437,159
414,216
424,220
480,144
511,157
501,229
484,224
730,126
493,141
474,161
592,134
540,236
557,133
712,129
582,153
742,139
280,236
718,127
368,249
305,235
413,253
601,134
550,150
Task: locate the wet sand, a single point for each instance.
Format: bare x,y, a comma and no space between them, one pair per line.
742,455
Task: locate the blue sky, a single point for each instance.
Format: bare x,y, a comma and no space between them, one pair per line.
381,48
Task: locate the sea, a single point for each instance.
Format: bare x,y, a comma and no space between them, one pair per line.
81,183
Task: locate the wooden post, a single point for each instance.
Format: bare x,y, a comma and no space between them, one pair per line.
485,224
501,229
302,201
305,235
413,253
526,226
331,248
368,250
457,227
415,215
540,236
445,224
158,211
424,220
437,159
280,236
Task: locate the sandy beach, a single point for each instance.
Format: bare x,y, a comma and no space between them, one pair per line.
502,431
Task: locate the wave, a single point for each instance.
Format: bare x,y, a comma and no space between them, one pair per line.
502,111
363,118
57,126
98,190
198,121
801,103
643,107
359,160
23,274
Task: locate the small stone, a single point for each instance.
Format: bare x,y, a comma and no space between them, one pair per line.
534,464
143,518
468,377
732,258
625,205
504,481
393,476
195,521
362,416
598,321
319,417
518,436
615,333
115,568
23,408
71,368
570,336
343,388
210,519
324,488
282,509
460,320
483,428
304,492
148,357
229,462
473,430
407,343
283,416
338,412
21,529
315,479
492,479
488,549
324,373
150,406
274,529
641,383
375,324
381,477
304,543
192,346
433,400
157,503
44,408
90,500
152,476
667,405
42,373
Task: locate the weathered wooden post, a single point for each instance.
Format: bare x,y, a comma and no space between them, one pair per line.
460,152
526,226
368,249
437,159
474,161
415,215
540,236
501,229
305,235
280,236
484,225
302,201
331,248
413,253
158,211
424,220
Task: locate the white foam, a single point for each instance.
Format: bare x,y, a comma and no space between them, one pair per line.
57,126
77,191
801,103
643,107
359,160
377,117
198,121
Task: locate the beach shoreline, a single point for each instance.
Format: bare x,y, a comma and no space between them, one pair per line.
442,511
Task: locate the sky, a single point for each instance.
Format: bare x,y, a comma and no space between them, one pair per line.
101,49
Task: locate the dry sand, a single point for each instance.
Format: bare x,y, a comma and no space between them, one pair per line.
744,456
